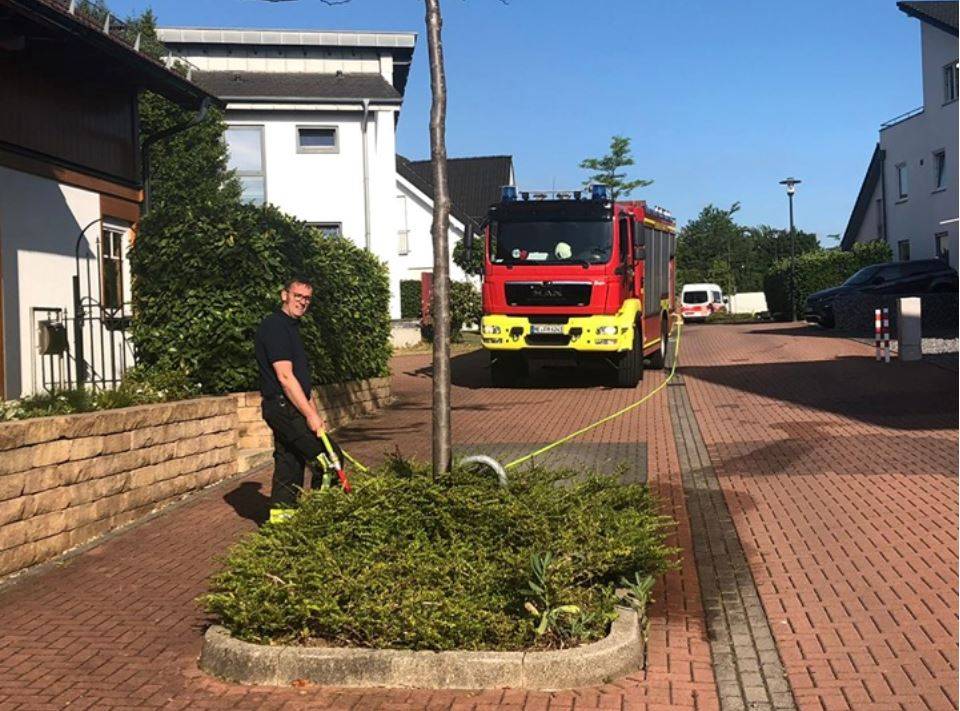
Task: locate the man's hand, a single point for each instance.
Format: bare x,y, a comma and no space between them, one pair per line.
316,423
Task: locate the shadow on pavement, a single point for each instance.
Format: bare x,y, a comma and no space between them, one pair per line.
472,371
905,396
249,502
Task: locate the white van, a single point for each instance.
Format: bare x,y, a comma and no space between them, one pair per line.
697,301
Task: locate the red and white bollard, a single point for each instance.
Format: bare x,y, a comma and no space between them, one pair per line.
881,327
877,330
886,334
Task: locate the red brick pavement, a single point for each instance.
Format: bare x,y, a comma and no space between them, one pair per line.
117,626
841,476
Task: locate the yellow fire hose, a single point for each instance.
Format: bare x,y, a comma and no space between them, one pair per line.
592,426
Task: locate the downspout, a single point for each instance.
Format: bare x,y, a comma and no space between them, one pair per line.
883,196
159,136
366,175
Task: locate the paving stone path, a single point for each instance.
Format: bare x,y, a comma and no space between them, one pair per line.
828,483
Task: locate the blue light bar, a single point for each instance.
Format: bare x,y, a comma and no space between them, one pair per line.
599,192
508,193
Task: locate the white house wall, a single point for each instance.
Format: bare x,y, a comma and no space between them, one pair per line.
314,187
913,142
318,60
415,214
871,228
40,221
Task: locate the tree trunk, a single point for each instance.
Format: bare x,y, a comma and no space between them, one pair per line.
442,451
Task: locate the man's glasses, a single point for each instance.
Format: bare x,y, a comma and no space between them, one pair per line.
300,298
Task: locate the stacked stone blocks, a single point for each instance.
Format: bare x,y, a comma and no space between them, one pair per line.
66,480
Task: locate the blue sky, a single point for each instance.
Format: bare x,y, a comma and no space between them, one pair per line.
721,99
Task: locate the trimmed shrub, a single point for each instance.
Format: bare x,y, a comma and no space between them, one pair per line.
199,297
816,271
410,298
410,560
140,386
466,307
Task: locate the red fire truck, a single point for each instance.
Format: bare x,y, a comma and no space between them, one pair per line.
578,275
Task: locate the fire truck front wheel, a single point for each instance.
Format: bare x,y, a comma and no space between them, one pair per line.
630,365
659,359
507,368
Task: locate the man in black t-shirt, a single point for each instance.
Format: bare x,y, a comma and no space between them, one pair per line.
288,403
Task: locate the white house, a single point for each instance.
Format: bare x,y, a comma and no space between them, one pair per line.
909,193
70,192
312,119
473,183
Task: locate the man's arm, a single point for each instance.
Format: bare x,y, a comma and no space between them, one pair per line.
294,393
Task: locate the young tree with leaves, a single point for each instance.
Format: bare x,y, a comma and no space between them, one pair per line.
606,170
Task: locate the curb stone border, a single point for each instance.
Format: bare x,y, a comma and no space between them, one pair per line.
616,655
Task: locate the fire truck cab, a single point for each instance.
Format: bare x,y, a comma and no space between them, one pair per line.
576,274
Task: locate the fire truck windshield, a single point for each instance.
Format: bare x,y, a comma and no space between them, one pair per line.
551,242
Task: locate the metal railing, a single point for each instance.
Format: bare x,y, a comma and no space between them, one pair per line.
902,117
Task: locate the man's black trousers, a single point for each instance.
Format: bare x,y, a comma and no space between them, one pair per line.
293,446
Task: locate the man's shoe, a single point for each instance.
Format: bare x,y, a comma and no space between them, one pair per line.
281,515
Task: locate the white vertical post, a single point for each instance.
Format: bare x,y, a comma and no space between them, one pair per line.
909,331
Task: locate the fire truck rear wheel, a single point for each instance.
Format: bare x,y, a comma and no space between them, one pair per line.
630,365
507,368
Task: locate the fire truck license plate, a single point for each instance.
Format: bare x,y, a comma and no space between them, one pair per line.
546,328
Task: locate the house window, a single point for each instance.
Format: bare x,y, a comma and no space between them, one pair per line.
902,180
316,139
943,251
245,156
111,267
939,169
951,78
333,229
403,234
903,250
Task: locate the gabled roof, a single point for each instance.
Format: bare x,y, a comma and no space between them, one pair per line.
940,14
280,86
860,207
474,183
107,42
425,185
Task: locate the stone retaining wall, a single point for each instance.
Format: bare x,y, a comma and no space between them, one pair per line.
69,479
854,313
338,404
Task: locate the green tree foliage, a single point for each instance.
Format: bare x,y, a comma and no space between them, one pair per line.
207,268
473,265
714,248
606,170
816,271
332,573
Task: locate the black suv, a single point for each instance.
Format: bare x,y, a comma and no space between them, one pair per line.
924,276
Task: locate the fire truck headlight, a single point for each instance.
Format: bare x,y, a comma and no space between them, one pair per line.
607,331
491,330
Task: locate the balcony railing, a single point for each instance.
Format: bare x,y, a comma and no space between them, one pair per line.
902,117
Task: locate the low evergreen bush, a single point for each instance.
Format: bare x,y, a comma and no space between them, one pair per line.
412,561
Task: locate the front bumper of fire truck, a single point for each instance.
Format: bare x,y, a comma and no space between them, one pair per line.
607,333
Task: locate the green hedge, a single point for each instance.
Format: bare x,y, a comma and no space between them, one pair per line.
816,271
199,296
413,560
410,298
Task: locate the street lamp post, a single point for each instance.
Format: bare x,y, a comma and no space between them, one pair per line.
791,184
